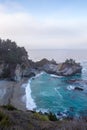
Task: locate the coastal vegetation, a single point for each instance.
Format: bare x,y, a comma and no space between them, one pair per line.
12,57
9,107
41,117
4,120
29,120
11,53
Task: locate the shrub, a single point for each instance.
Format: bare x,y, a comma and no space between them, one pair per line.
9,107
52,117
40,117
4,120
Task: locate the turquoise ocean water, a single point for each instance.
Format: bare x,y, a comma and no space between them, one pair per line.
54,93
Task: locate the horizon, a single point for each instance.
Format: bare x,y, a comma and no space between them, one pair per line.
45,24
59,49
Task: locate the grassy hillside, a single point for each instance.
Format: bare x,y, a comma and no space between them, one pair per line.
12,119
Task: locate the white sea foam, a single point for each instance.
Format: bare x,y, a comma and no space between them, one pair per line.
70,87
43,110
23,85
58,93
56,76
30,104
38,75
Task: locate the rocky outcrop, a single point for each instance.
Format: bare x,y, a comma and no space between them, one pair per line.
17,73
10,71
78,84
28,69
1,69
67,68
79,88
28,72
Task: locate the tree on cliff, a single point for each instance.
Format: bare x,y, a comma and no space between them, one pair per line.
11,53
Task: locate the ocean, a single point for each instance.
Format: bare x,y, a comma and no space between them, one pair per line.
47,92
58,55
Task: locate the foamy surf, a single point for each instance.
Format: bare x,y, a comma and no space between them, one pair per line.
43,110
30,104
55,76
70,87
39,74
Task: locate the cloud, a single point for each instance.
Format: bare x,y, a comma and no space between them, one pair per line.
9,6
29,31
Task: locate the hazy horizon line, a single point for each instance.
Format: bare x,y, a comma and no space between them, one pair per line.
58,49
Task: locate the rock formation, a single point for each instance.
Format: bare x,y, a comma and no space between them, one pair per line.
67,68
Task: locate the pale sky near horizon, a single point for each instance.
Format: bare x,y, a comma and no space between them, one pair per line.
45,24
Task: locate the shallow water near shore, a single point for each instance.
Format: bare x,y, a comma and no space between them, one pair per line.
55,94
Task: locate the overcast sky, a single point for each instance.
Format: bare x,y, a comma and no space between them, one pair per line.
45,24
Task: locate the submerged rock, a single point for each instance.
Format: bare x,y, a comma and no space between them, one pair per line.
79,88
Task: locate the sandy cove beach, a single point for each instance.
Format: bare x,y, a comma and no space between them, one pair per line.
13,93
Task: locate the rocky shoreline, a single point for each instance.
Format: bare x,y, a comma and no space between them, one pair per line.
67,68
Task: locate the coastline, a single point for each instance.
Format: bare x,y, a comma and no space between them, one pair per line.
17,94
13,93
30,103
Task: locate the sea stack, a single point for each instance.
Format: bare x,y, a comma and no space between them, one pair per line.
67,68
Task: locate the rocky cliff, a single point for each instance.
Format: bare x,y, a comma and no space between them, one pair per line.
67,68
14,63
